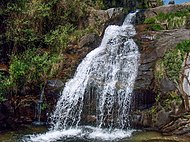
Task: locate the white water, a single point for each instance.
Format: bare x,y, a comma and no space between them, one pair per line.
111,69
85,133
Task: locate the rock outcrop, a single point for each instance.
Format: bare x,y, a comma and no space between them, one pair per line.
164,112
153,46
100,19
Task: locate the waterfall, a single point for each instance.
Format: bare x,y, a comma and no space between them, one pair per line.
108,74
111,69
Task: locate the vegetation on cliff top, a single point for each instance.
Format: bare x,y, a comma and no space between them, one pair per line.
171,20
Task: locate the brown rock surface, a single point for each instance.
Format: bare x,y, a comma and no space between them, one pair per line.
153,46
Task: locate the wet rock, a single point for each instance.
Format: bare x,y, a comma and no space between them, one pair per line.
90,119
140,17
53,87
114,12
52,92
169,39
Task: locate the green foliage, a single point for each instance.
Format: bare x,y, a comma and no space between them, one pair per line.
184,46
99,4
172,98
170,20
29,27
2,98
171,65
59,38
31,67
173,62
20,33
19,6
41,10
161,16
4,86
44,106
156,27
150,20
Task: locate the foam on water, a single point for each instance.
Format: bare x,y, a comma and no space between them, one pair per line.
105,135
87,132
51,136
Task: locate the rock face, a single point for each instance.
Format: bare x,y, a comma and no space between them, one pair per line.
153,46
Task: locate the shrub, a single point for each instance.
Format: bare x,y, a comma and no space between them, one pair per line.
184,46
58,39
156,27
32,67
150,20
173,59
173,62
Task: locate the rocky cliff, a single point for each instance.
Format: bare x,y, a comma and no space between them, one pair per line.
159,99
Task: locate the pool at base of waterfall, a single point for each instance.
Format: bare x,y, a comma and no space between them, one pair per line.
86,134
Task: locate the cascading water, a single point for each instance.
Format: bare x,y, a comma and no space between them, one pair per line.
111,69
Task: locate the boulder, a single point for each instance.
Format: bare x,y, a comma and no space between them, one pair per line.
162,118
166,85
